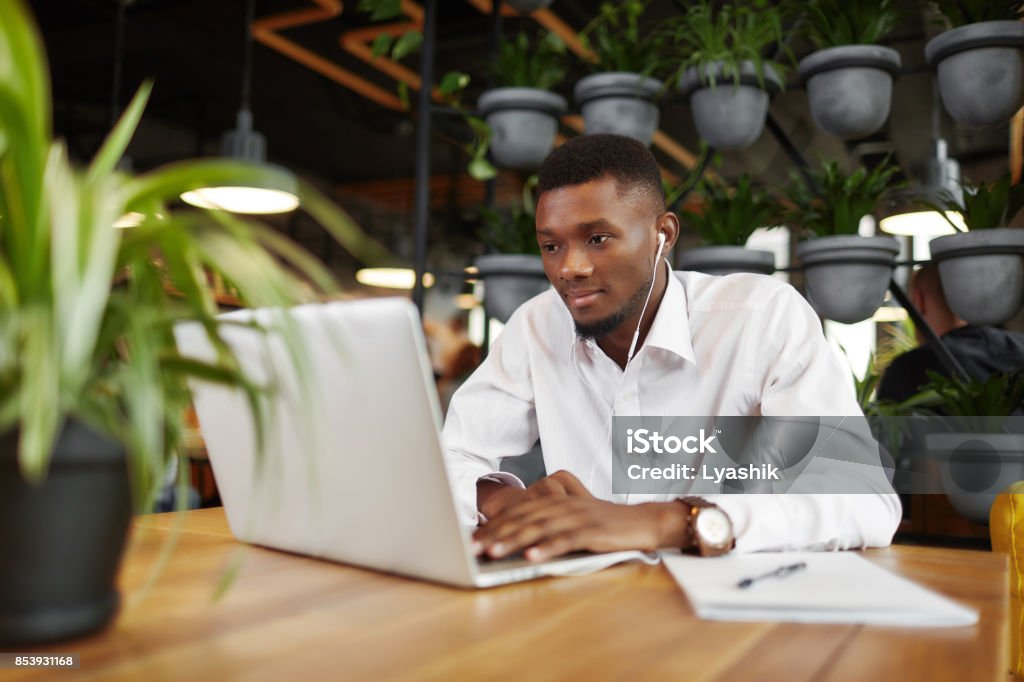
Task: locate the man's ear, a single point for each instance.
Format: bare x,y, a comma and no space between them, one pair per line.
919,301
668,223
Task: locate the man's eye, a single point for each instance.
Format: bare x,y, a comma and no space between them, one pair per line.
599,239
549,248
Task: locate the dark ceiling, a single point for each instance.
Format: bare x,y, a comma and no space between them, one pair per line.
194,51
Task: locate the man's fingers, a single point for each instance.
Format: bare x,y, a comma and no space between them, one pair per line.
559,484
559,544
571,484
517,537
556,484
546,487
517,514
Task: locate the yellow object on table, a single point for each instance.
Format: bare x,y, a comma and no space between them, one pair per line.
1006,524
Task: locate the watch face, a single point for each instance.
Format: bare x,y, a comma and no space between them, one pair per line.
713,526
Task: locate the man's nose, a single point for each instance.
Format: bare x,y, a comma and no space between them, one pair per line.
576,264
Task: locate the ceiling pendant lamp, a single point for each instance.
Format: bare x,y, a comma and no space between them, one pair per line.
910,214
908,211
279,193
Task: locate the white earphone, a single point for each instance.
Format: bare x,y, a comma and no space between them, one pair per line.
632,347
654,278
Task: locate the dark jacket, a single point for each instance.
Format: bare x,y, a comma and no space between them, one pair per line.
982,351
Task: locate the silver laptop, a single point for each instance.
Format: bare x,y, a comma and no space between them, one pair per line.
351,468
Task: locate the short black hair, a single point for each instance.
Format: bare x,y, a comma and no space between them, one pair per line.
592,157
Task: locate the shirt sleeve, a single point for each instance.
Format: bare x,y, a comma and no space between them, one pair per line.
491,416
797,374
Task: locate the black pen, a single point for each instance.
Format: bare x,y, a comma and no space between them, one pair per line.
780,572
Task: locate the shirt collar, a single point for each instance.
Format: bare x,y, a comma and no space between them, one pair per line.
670,329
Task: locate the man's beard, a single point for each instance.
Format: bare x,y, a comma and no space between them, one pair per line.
607,325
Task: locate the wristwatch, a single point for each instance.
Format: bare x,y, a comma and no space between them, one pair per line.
709,527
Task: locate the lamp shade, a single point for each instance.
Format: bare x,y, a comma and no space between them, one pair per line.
277,193
392,278
910,213
922,223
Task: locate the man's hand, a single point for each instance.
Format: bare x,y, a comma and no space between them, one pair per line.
493,498
547,526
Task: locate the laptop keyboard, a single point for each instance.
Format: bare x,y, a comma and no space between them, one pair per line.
489,565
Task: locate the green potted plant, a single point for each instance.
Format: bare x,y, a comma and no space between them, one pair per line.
620,98
846,275
980,60
849,77
521,111
981,270
512,271
725,222
722,71
93,390
977,437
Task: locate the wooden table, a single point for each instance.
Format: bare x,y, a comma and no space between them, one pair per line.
287,617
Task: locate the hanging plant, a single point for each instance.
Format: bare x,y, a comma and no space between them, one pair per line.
846,275
513,272
978,455
849,78
725,221
712,45
981,270
830,202
980,60
450,86
521,112
620,97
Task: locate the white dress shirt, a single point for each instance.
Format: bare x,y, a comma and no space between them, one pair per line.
730,346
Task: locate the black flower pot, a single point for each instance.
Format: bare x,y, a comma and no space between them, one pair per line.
729,115
980,71
982,273
727,260
846,276
510,280
524,123
849,88
620,103
61,541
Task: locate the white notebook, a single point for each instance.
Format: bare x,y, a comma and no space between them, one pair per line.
835,587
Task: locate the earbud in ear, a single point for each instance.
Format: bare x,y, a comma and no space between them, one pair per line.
661,239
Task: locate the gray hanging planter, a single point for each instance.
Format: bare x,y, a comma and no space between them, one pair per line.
982,273
976,467
523,122
729,116
619,102
849,88
846,276
527,6
980,71
62,540
726,260
509,281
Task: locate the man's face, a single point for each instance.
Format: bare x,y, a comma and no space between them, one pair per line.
598,251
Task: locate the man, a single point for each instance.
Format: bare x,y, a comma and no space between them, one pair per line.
562,369
982,351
